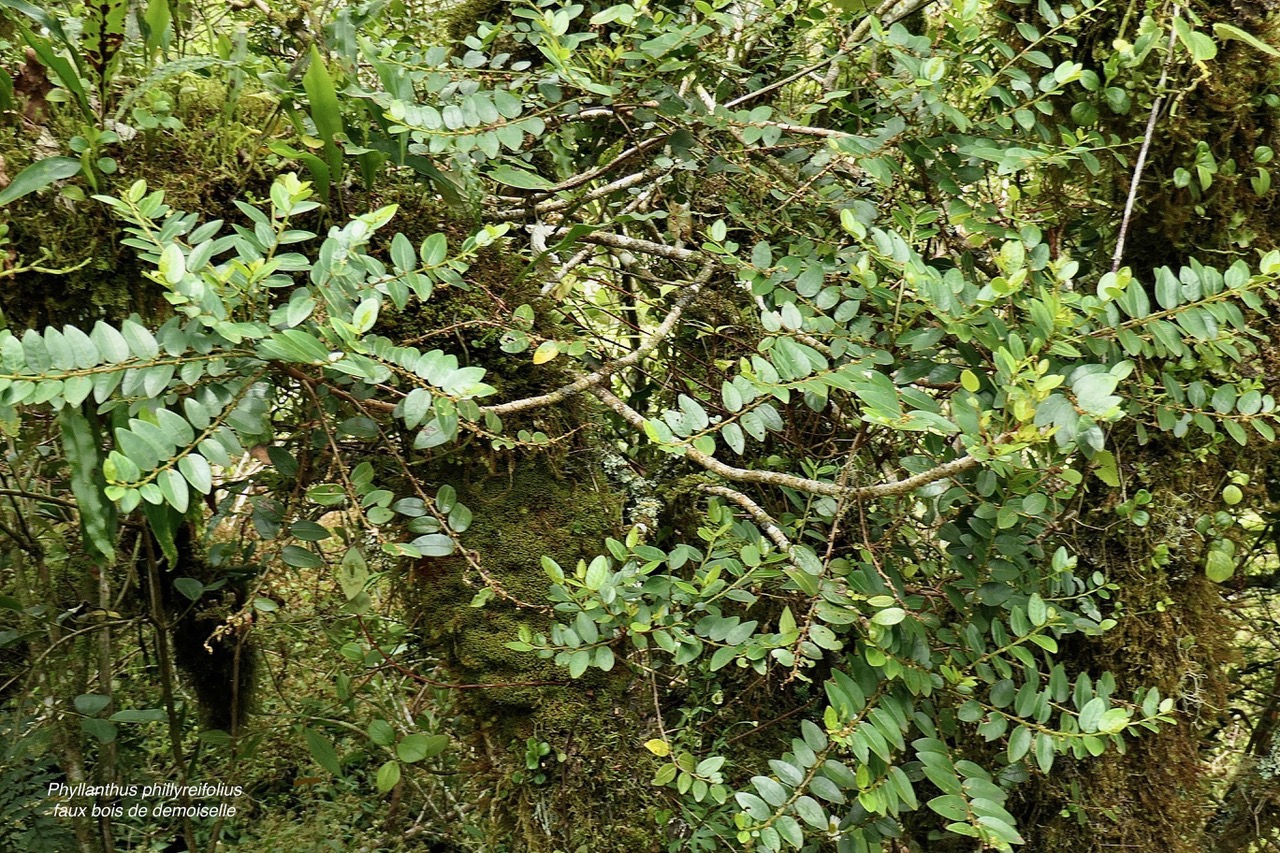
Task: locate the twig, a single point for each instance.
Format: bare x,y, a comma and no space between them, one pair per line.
1146,144
634,357
790,481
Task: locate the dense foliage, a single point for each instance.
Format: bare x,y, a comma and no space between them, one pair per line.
781,401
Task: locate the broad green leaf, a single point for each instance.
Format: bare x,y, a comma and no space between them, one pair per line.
388,776
190,588
322,751
1227,31
81,444
326,112
39,175
1219,567
197,471
353,571
90,704
513,177
418,746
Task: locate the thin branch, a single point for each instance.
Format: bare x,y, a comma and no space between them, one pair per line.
790,481
592,174
634,357
1146,145
36,496
634,244
762,518
552,205
860,32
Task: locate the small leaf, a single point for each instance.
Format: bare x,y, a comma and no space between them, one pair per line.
388,776
889,616
139,715
381,733
658,747
173,264
196,469
1019,743
1219,567
91,703
100,729
300,558
365,315
190,588
546,351
353,571
1227,31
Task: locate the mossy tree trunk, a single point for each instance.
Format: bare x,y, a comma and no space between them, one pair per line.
1175,629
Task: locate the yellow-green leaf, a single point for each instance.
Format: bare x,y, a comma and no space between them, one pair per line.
658,747
546,351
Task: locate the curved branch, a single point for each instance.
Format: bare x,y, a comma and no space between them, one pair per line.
791,481
634,357
551,205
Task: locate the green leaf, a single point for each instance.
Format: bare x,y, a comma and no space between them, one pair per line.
197,471
322,751
104,731
1227,31
811,812
190,588
140,340
402,254
157,18
519,178
381,733
90,704
950,806
110,343
1218,566
164,521
1019,743
1091,714
388,776
81,445
353,572
365,315
326,112
578,662
39,175
459,519
140,715
300,558
1037,610
71,76
597,573
294,345
174,488
418,746
889,616
1044,752
774,793
434,545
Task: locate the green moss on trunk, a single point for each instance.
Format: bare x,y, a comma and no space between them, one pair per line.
591,790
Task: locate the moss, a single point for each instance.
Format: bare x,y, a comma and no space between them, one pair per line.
594,790
202,172
1173,633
